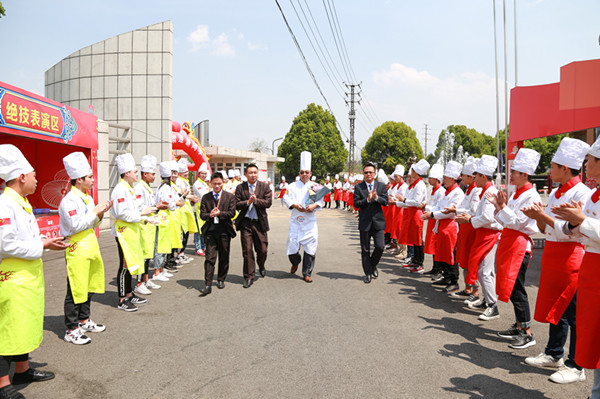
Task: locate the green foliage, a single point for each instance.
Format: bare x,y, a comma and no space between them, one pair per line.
390,144
546,146
473,142
313,130
2,11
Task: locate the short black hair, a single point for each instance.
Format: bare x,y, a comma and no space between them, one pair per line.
216,175
371,165
250,165
73,182
123,175
574,172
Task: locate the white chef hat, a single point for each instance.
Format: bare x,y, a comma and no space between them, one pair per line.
595,149
230,173
182,165
487,165
165,169
125,163
352,179
313,178
337,177
399,171
305,160
571,153
470,166
13,163
345,175
526,161
269,179
224,174
359,177
77,165
421,167
453,170
382,177
282,178
327,178
236,173
148,164
174,165
203,167
436,172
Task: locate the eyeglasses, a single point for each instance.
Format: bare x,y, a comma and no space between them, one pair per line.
304,172
367,172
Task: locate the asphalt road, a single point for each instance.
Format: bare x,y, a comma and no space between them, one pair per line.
397,337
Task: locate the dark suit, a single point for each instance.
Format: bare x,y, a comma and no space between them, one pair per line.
371,223
217,235
253,231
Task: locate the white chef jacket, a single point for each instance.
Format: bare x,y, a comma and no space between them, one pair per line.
511,217
76,215
579,192
19,232
303,225
166,192
414,196
124,206
484,215
143,195
470,202
200,188
589,229
436,198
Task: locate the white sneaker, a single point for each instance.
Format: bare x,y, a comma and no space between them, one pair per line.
187,259
543,360
91,326
160,277
77,337
151,285
566,375
167,274
142,290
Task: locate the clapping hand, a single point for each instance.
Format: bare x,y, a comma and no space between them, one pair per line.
571,212
535,211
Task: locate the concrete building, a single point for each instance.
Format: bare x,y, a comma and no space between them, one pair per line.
126,81
224,158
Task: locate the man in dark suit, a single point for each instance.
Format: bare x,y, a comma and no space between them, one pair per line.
369,197
252,200
217,208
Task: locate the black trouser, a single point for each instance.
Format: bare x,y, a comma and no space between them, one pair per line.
140,277
518,296
370,261
337,203
74,312
253,238
216,245
436,266
450,272
184,240
418,255
308,262
559,333
123,275
6,360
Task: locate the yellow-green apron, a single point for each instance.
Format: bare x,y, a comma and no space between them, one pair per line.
130,239
198,218
21,305
84,265
148,239
188,216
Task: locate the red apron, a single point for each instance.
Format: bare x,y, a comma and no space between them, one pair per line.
387,214
430,237
345,196
509,257
327,197
398,217
485,239
587,350
411,231
351,199
445,240
466,238
282,193
558,280
337,194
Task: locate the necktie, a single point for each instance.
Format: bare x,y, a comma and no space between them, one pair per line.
370,187
216,197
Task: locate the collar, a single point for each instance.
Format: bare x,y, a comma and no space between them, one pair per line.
435,189
471,187
520,191
487,185
452,188
80,194
22,201
415,183
128,186
566,187
596,195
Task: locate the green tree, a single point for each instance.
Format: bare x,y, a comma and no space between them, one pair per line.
390,144
2,11
314,130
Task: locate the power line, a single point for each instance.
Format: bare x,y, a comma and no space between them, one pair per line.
308,67
336,42
344,49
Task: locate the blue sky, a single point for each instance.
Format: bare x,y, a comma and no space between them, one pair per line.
429,61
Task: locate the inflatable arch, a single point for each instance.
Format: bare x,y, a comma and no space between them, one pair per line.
189,144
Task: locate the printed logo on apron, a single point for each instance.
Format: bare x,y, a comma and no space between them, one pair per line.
300,219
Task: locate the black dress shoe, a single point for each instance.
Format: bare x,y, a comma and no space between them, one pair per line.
375,273
367,279
9,392
220,285
247,283
32,375
206,290
263,272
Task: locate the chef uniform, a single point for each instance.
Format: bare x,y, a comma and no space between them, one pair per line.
337,191
303,225
200,187
327,197
169,230
466,232
563,253
282,189
85,268
437,193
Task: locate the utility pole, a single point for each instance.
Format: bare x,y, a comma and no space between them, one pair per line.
352,117
426,140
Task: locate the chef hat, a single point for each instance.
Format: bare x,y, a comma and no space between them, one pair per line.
77,165
314,178
526,161
269,179
305,160
327,178
203,167
13,163
470,166
224,174
421,167
148,163
337,177
436,172
359,178
282,178
236,173
125,163
183,165
174,165
595,149
399,171
382,177
453,170
571,153
352,179
345,175
487,165
244,178
165,169
230,173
